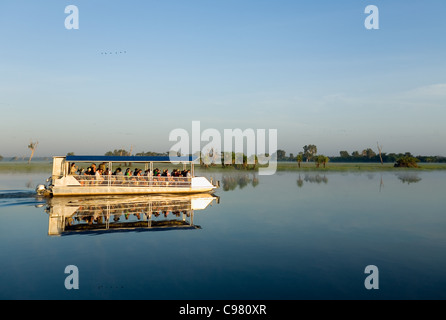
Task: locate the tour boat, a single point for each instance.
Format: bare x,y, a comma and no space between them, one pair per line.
65,182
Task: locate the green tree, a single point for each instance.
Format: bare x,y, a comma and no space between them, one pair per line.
281,155
319,159
120,152
368,153
325,160
355,154
299,158
245,161
310,151
344,154
255,159
407,162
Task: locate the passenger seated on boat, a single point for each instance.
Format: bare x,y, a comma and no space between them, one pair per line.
108,175
93,169
86,176
127,175
186,177
102,166
156,174
168,178
174,175
99,177
137,174
162,177
119,176
81,172
73,169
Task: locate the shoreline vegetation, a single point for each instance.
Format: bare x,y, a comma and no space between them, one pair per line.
307,160
46,166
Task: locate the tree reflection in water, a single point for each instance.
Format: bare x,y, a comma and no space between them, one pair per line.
230,182
311,178
408,177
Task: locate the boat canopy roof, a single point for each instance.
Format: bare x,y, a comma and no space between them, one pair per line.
130,159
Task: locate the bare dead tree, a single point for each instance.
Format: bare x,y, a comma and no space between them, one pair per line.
32,145
379,151
130,153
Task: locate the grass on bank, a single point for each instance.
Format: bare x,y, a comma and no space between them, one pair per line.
24,167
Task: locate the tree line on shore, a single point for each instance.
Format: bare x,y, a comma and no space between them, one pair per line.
367,155
309,154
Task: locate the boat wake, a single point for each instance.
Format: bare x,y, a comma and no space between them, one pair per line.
20,197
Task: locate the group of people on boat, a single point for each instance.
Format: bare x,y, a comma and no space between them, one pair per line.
102,173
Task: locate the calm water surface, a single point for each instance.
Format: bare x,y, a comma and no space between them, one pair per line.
287,236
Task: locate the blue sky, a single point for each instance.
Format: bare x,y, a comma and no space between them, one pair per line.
309,69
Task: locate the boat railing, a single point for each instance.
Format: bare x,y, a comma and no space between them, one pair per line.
133,181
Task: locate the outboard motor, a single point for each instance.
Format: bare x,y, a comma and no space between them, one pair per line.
40,189
44,189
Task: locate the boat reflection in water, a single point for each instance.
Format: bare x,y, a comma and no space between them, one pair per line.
98,215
